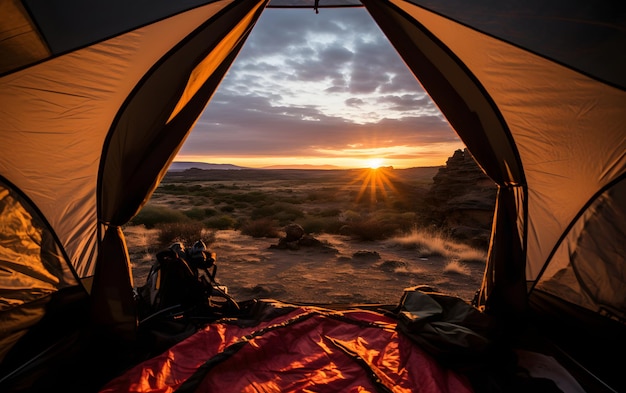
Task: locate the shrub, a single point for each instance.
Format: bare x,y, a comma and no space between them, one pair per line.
187,233
334,212
227,209
283,212
263,227
323,195
221,222
321,224
288,216
208,212
250,197
402,222
150,216
241,205
372,229
195,213
350,216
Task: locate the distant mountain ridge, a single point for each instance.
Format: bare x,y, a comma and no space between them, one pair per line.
302,166
179,166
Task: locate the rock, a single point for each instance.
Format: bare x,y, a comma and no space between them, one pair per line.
392,266
475,237
284,244
293,232
309,241
304,241
462,196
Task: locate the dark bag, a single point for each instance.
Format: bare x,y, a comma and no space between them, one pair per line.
171,282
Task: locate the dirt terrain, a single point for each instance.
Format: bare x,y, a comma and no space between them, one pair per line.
341,271
344,268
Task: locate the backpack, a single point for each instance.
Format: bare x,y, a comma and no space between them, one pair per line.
171,283
174,285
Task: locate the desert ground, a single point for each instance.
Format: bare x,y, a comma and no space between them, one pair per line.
343,271
341,268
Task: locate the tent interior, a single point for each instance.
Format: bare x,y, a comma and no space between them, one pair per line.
96,100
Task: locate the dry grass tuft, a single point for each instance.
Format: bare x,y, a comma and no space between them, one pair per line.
187,233
455,267
430,244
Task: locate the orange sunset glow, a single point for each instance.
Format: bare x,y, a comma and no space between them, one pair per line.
282,105
375,183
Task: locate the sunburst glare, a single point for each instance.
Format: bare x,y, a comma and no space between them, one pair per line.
375,163
377,182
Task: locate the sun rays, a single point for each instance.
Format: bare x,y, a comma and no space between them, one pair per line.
376,182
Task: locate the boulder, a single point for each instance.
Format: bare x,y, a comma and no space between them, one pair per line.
293,232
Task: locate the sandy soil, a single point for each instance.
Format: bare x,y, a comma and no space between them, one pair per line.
378,273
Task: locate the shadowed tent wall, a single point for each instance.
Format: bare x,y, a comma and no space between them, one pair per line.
91,123
96,100
531,121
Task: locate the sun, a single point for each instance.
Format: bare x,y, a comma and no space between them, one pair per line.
374,163
378,181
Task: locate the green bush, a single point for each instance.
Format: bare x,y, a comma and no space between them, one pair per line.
150,216
221,222
195,213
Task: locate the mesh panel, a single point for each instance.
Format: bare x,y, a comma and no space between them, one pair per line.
312,3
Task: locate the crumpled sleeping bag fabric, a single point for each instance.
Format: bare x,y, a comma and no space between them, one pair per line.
295,349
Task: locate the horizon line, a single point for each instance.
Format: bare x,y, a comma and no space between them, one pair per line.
286,166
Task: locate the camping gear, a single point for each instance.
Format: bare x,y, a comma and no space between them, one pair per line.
180,283
97,99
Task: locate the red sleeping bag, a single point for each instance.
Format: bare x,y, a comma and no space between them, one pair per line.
307,349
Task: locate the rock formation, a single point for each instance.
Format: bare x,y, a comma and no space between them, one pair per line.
461,200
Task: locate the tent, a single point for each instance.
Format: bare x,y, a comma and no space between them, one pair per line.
97,98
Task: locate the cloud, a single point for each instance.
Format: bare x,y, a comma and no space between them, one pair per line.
311,85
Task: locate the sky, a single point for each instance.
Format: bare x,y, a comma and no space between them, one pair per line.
320,89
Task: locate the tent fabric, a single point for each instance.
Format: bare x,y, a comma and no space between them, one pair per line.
576,274
66,25
517,95
46,111
572,33
189,74
27,287
96,100
92,130
21,43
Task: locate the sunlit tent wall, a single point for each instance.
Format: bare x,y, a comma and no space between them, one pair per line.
96,100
